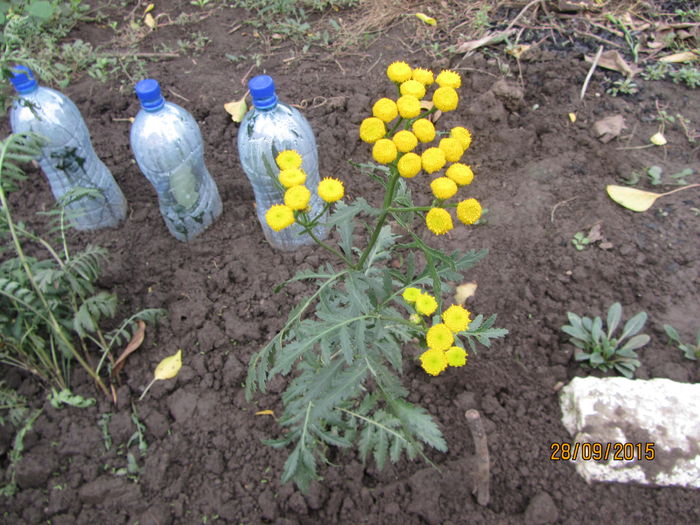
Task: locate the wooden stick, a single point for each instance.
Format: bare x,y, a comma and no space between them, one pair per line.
481,485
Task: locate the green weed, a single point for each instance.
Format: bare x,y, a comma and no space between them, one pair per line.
19,416
50,310
580,241
600,349
690,351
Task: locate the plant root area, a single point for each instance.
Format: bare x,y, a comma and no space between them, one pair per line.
542,178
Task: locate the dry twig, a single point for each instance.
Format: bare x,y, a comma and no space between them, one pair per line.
590,72
482,483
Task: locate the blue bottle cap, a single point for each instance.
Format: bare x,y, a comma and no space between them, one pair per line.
23,79
262,89
148,91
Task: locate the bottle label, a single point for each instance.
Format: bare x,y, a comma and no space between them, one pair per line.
183,187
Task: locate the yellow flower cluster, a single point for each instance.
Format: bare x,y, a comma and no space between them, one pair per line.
297,196
401,134
439,338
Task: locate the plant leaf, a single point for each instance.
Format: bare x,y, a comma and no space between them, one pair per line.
133,345
634,325
631,198
614,316
169,367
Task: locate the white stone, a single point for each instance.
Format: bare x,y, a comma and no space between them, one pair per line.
618,410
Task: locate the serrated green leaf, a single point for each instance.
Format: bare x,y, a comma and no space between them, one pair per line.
346,345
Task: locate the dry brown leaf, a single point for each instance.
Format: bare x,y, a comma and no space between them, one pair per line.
595,234
130,348
614,61
608,128
492,37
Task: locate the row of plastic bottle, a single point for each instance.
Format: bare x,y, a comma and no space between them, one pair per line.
167,145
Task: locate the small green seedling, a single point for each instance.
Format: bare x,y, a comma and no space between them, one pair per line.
600,349
690,351
580,241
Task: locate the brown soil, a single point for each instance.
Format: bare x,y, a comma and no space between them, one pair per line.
542,179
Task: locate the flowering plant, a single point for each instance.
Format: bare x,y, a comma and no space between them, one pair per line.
348,358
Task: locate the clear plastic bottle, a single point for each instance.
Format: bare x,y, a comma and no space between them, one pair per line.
267,129
68,158
168,148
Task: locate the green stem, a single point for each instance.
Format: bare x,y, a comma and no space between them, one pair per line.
388,199
308,229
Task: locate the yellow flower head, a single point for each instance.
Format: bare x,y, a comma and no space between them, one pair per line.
292,177
452,148
426,304
460,173
439,337
384,151
424,76
410,294
438,220
424,130
405,141
385,110
445,99
448,78
331,190
372,129
469,211
288,159
413,88
433,159
443,188
279,216
409,165
463,135
456,318
456,356
433,361
297,197
398,71
409,106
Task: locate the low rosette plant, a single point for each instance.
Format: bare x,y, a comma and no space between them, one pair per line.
347,358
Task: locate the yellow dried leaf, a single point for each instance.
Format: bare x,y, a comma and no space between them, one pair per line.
464,292
149,20
149,8
572,117
265,413
517,51
631,198
237,109
169,367
685,56
427,19
658,139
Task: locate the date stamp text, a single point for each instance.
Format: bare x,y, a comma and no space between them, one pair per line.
602,451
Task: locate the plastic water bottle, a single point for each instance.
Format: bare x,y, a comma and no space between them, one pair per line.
267,129
167,144
67,158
